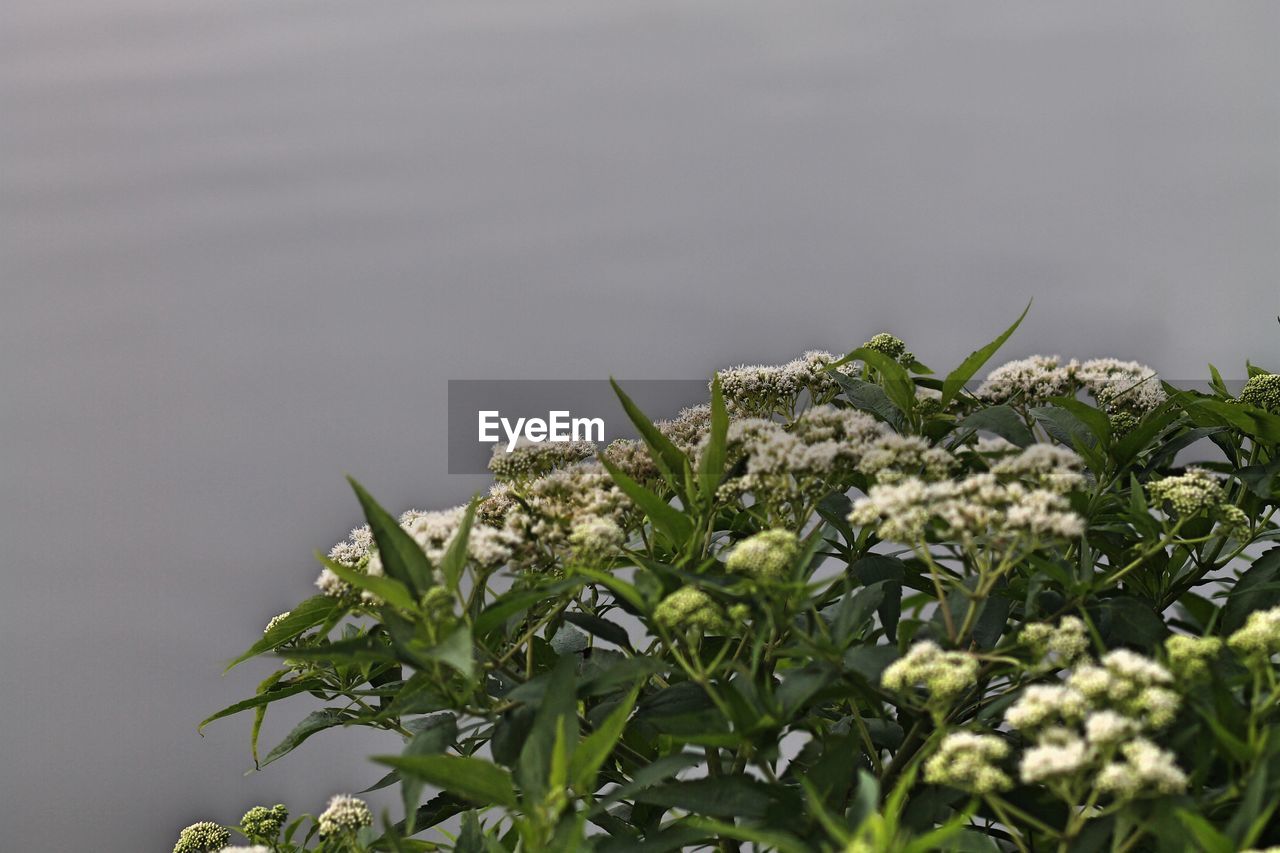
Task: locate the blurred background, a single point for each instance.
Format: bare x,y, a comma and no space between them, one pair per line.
245,244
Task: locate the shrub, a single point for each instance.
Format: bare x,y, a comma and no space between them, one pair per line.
845,606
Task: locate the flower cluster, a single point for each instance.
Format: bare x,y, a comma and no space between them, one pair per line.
1262,390
980,505
1056,646
1091,729
1260,637
945,675
202,837
596,538
1196,492
892,458
529,460
264,824
690,610
542,521
1190,657
344,815
765,389
798,464
487,547
892,346
765,557
969,762
1119,386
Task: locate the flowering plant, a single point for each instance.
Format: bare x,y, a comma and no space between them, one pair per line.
845,606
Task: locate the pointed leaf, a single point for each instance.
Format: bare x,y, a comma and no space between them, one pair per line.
957,378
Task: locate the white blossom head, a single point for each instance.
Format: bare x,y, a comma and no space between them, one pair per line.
767,556
945,675
1260,637
344,815
969,762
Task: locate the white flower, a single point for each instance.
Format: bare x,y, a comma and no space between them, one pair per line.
967,761
276,620
531,459
1046,465
1121,384
1040,704
944,674
1106,728
345,814
435,531
1145,768
1030,380
1054,760
978,505
1260,636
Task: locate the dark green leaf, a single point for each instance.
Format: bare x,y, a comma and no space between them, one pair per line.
310,613
401,557
957,378
480,781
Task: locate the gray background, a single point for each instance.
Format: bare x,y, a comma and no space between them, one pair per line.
244,244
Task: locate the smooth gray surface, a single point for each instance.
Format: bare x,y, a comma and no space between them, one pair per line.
244,244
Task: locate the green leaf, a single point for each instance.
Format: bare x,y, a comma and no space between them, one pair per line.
480,781
626,591
1209,839
1063,426
871,398
1001,420
316,721
433,739
723,796
557,712
669,521
1095,420
957,378
455,559
870,661
894,379
1262,480
401,557
670,460
388,589
602,628
596,747
456,651
711,466
510,603
291,688
763,838
310,613
1252,421
647,776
